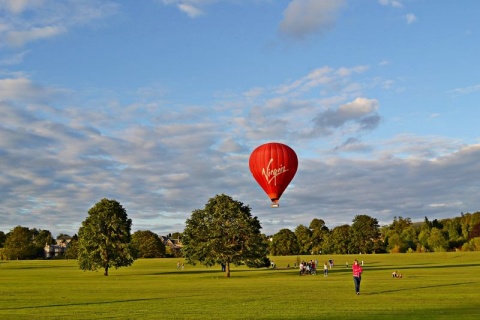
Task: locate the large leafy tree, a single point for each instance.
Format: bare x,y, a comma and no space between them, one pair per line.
19,244
284,243
319,234
304,238
338,240
365,232
147,244
104,238
224,232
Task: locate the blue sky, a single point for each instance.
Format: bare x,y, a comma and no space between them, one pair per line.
159,103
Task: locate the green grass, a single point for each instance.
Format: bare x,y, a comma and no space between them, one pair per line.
434,286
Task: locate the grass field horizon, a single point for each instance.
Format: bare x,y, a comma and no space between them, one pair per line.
434,286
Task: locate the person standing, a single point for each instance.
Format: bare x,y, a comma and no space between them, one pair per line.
357,275
325,270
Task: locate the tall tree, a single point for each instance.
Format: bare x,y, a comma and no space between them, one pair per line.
284,243
339,240
304,238
365,232
224,232
3,237
104,237
19,244
319,233
147,244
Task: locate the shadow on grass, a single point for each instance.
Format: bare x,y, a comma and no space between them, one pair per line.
79,304
420,287
219,272
424,266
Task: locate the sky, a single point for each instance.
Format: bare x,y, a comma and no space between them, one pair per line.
158,104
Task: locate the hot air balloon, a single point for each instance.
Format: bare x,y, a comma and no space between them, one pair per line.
273,165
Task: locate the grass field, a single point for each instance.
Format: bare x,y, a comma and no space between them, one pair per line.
434,286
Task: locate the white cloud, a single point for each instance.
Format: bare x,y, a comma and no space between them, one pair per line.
361,112
193,8
26,21
410,18
19,6
190,10
19,38
13,59
21,89
303,18
393,3
466,90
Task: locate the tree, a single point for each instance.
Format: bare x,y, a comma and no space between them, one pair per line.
284,243
19,244
41,238
72,249
319,233
104,237
339,240
147,244
3,237
365,232
224,232
304,238
437,240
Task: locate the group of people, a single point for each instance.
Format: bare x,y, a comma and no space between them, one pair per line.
308,268
395,274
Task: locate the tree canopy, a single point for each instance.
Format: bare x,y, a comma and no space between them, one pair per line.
284,243
24,243
147,244
104,237
224,232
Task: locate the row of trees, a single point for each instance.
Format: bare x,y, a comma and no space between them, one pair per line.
225,232
366,236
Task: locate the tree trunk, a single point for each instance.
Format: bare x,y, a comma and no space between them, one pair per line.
106,271
228,270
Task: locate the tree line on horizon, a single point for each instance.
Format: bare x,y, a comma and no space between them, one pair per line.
364,235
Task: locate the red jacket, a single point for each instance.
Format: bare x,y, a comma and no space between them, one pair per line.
357,270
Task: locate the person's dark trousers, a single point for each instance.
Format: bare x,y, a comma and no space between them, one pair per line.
357,280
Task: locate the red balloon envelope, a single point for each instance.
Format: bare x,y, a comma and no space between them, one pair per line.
273,165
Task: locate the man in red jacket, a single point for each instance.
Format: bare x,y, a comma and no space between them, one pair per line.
357,275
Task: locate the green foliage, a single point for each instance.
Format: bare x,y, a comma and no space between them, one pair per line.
24,243
338,241
147,244
3,237
472,245
304,238
319,233
224,232
437,240
19,244
364,232
284,243
72,248
104,237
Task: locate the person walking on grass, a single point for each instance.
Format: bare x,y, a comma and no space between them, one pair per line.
357,275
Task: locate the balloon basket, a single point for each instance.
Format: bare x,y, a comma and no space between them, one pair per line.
274,205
